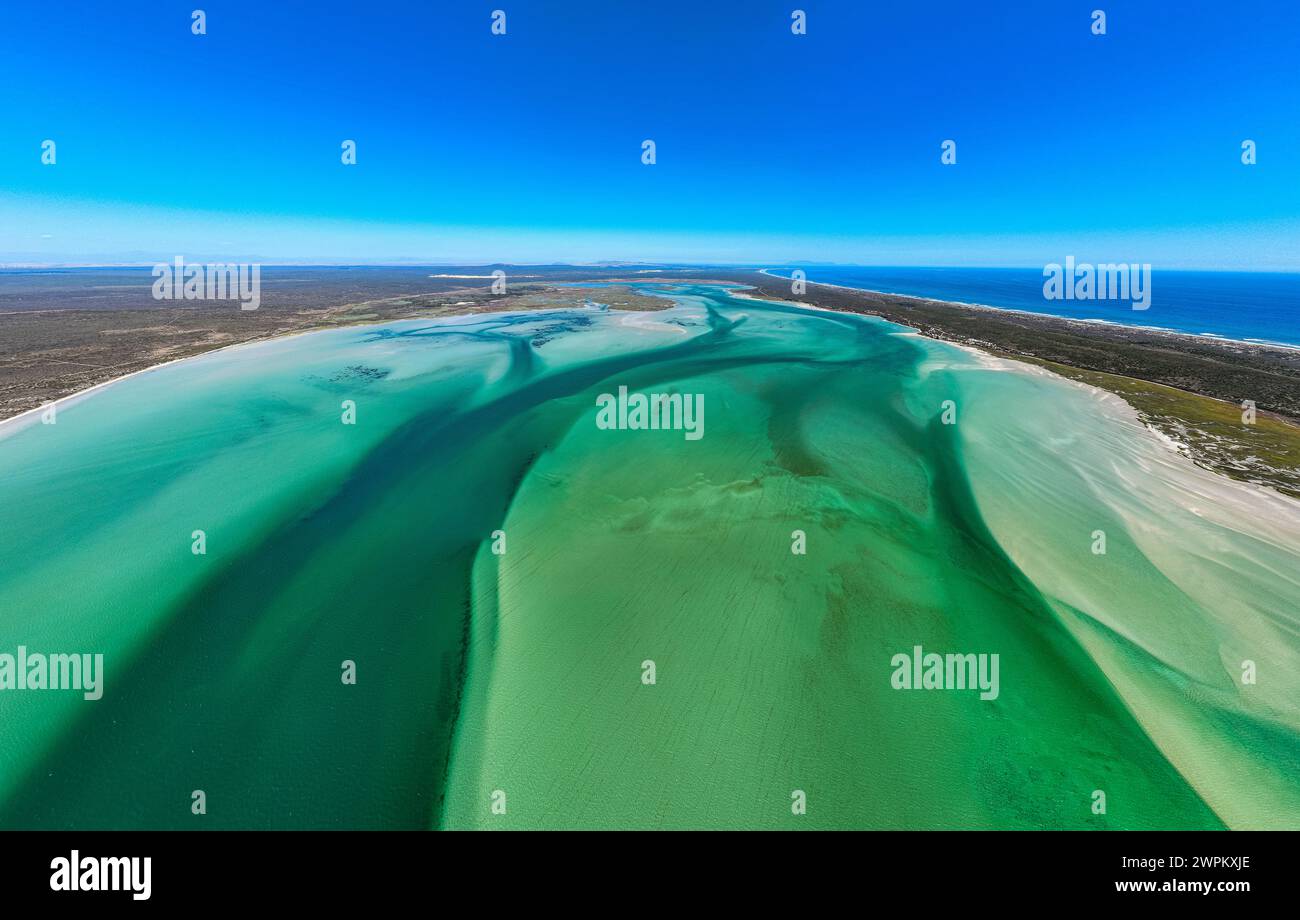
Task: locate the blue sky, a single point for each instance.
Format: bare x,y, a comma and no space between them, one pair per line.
771,147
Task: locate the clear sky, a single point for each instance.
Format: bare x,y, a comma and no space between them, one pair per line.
771,147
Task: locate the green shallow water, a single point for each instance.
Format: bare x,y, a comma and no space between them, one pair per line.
522,672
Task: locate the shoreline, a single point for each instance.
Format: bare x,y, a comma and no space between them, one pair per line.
72,398
1170,437
1186,390
735,289
1030,313
975,349
8,425
50,355
1212,337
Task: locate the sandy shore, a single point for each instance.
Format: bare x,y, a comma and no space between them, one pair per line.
14,423
1217,447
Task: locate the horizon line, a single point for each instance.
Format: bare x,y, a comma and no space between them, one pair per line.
611,263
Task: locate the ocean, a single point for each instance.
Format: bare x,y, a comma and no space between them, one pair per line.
1248,306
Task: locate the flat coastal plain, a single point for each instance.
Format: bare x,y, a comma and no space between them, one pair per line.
62,332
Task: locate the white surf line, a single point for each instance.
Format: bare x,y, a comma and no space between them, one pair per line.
1120,407
1256,343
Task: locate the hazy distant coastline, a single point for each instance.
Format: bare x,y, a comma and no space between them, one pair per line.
65,333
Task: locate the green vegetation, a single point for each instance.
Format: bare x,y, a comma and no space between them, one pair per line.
1267,451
